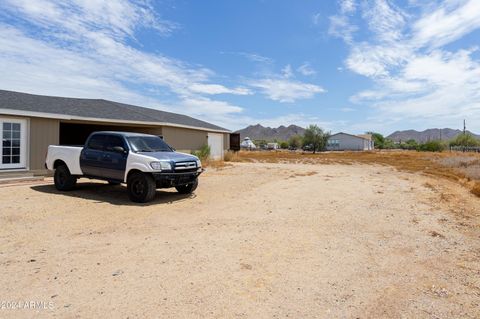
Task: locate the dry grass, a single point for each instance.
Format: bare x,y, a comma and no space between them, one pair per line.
458,167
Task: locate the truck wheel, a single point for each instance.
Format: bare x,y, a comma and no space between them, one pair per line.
189,188
64,181
141,187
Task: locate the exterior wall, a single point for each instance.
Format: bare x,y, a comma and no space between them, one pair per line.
348,143
226,141
43,132
183,139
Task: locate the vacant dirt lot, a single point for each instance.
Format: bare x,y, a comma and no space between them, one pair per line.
257,240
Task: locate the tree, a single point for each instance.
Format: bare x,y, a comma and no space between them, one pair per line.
295,141
465,140
378,140
316,137
283,145
410,145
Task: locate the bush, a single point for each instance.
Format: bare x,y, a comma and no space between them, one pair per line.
431,146
465,140
409,145
203,153
295,141
284,145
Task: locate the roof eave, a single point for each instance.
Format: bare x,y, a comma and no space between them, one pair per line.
104,120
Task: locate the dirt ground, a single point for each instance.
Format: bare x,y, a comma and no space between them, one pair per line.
257,240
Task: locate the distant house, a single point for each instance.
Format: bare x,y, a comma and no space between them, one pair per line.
272,146
348,142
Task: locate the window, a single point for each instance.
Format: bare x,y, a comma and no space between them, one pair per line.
113,141
148,144
333,143
11,135
97,142
14,142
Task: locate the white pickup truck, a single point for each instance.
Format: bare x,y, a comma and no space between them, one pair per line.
144,162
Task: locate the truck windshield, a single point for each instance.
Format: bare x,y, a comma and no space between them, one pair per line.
148,144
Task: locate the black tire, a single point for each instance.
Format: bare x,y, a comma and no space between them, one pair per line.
113,183
141,187
64,181
189,188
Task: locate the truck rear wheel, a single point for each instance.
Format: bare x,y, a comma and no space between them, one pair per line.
189,188
141,187
64,181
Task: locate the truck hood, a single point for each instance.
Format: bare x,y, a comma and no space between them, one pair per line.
170,156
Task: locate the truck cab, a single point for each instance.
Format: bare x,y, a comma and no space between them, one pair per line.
144,162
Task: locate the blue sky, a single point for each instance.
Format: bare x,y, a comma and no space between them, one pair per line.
345,65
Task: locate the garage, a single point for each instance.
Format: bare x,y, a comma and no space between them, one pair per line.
215,142
30,123
72,133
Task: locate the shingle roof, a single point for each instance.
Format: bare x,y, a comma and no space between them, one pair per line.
95,108
362,136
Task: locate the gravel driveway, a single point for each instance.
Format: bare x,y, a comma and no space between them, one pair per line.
255,241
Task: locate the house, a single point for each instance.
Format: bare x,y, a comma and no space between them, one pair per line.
348,142
272,146
29,123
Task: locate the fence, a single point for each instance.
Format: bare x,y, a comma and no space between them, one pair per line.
474,149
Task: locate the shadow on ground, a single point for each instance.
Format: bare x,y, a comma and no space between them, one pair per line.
113,194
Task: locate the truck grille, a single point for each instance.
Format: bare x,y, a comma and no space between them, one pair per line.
186,166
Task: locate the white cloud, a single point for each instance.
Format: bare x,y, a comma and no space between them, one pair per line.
285,90
80,49
287,71
306,69
347,6
449,22
340,27
415,77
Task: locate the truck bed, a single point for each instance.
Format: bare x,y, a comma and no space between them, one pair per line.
70,155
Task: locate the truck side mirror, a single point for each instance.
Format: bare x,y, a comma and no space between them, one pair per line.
118,149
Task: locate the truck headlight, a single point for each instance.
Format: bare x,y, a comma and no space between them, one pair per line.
161,166
199,164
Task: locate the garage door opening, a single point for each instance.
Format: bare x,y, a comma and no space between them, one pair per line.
77,133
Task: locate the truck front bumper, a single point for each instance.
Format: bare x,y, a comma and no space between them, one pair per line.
172,179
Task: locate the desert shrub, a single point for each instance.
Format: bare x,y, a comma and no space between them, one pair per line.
295,141
230,156
203,153
284,145
465,140
409,145
431,146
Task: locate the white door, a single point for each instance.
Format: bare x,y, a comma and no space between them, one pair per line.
13,151
215,141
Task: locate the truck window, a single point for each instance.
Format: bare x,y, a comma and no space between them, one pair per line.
112,141
148,144
97,142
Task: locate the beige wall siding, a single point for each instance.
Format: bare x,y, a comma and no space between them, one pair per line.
184,139
43,132
226,141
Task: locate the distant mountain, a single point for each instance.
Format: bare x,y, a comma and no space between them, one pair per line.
428,135
281,133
